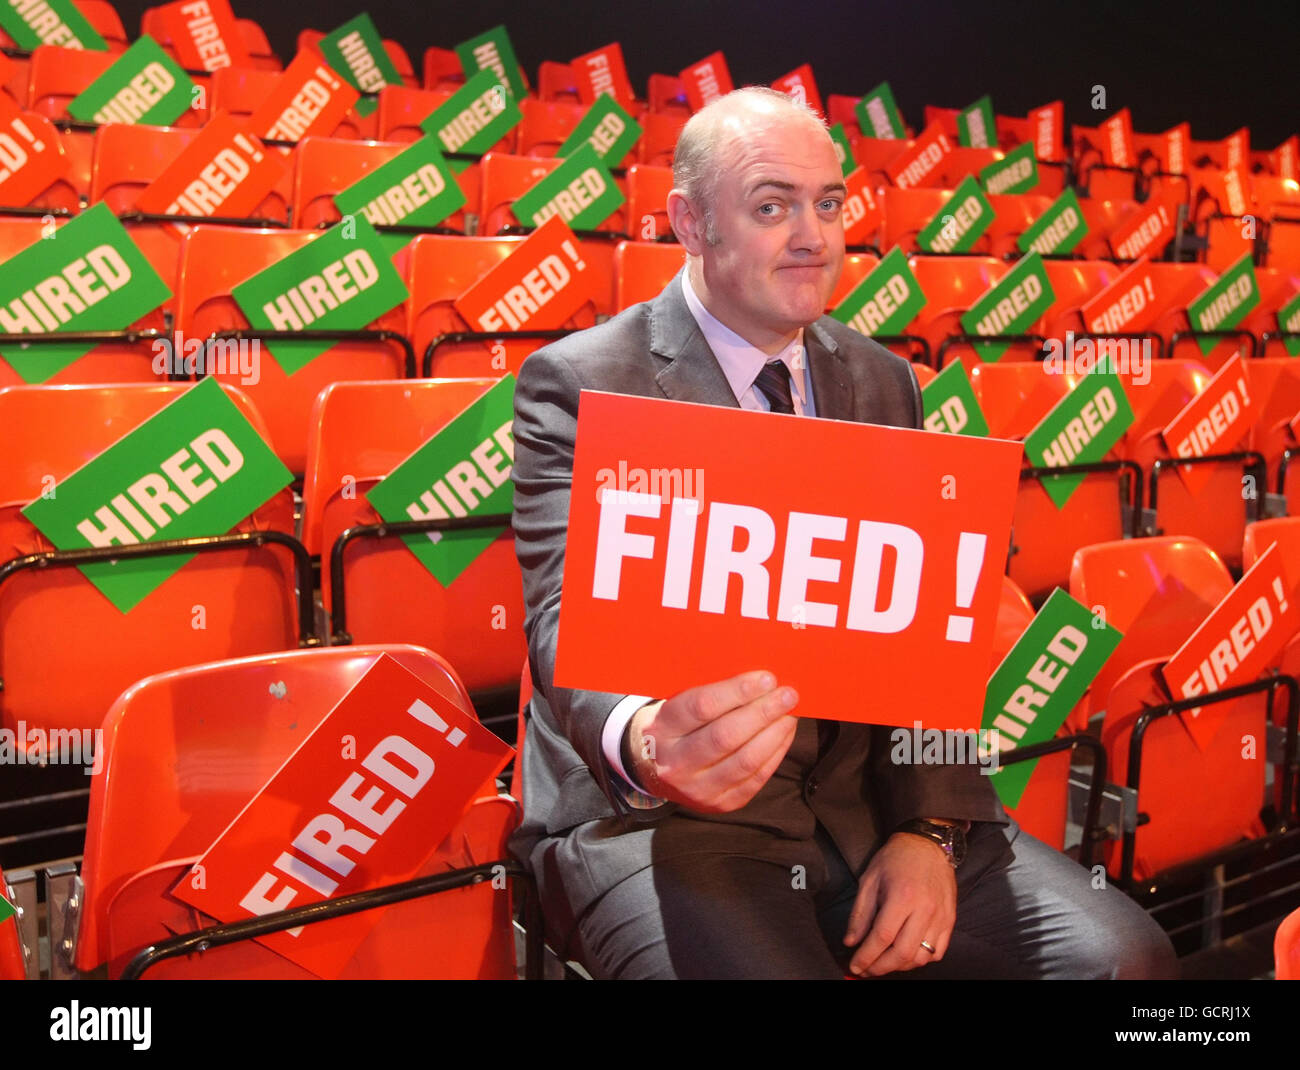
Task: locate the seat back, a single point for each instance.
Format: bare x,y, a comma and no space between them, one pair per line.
259,49
1156,591
13,966
951,284
56,75
1074,283
442,70
65,650
1195,800
363,431
642,269
546,125
647,201
213,261
1286,948
156,806
907,212
401,110
659,133
506,179
1013,214
326,166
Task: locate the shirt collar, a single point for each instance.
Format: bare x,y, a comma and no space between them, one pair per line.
741,361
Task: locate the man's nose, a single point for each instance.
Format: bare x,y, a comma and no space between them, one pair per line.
809,232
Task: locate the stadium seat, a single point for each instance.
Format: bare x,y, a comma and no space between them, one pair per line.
57,75
556,82
875,154
546,125
327,166
666,95
961,162
442,70
1156,591
857,266
506,178
951,285
1013,214
156,809
441,269
63,196
13,964
401,110
647,202
659,134
1101,216
1274,384
241,90
1170,385
642,269
104,18
67,650
1074,283
213,260
258,47
907,212
1286,948
360,432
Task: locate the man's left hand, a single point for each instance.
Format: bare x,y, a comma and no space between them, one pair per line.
907,894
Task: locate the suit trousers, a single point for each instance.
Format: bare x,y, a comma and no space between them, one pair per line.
1024,911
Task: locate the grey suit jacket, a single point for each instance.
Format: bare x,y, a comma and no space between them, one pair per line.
656,350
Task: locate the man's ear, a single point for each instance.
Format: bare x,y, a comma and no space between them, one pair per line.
686,222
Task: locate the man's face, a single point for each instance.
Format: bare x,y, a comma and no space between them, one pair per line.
781,237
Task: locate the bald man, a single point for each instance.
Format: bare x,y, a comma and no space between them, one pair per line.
713,833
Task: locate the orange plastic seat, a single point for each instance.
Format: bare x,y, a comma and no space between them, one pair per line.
326,166
66,650
58,74
546,125
666,93
13,966
1155,590
857,266
642,269
1169,386
213,260
556,81
157,807
961,162
442,70
907,212
1013,214
363,431
1102,216
63,195
952,284
258,47
506,178
647,202
1074,284
402,109
1286,948
441,268
659,133
875,154
241,90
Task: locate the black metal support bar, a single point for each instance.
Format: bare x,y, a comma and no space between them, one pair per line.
453,337
234,932
1275,336
180,217
1147,716
987,339
61,337
912,341
1254,465
514,229
1092,813
1179,336
198,544
1131,468
33,210
338,611
253,334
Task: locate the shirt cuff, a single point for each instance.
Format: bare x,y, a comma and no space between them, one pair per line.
611,743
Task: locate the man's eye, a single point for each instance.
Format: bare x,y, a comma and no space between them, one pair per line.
768,209
832,205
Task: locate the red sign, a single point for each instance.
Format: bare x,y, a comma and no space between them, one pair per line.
1049,131
1236,149
706,81
919,165
31,158
862,212
1286,158
537,287
799,83
1236,191
1146,231
363,802
308,99
204,34
1235,643
1127,305
1117,140
1214,421
224,171
1178,148
691,558
603,71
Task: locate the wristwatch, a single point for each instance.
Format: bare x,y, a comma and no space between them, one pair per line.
950,838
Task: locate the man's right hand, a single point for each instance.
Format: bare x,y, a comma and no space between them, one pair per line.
712,748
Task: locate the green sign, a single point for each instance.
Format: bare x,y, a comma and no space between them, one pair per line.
1058,230
843,148
608,128
581,191
415,188
49,22
886,301
1081,428
1040,681
1016,172
341,281
356,51
7,910
478,115
1226,302
492,51
959,223
462,470
195,468
1288,319
975,128
950,404
1011,306
143,85
878,114
88,276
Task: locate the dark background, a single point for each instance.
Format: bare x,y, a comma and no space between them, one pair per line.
1219,65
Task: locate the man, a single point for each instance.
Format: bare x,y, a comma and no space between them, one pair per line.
712,833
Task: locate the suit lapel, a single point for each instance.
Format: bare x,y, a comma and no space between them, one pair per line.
832,386
692,372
